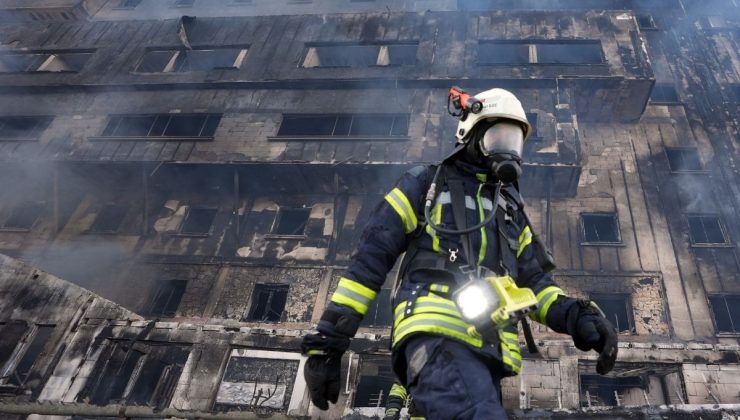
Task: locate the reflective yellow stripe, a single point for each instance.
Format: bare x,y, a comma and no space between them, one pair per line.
437,217
483,236
435,324
397,199
315,353
545,298
399,391
353,294
525,238
510,353
426,305
442,288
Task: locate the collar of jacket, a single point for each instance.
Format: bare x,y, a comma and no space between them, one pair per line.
466,168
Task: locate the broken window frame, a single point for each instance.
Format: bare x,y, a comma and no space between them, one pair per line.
175,290
108,230
21,353
729,313
584,236
178,55
619,298
44,61
39,208
191,210
271,289
299,383
161,123
144,349
648,19
386,380
39,125
276,223
312,60
341,128
644,371
723,231
533,54
682,151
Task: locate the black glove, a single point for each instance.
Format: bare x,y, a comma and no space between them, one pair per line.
323,367
592,331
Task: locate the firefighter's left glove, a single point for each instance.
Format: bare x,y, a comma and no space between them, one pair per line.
592,331
323,367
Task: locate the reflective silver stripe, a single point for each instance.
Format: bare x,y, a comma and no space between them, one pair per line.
444,198
435,322
353,295
421,305
540,308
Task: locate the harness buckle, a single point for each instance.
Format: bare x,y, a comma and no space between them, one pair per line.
453,254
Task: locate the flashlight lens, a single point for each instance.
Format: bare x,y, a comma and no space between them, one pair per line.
472,302
476,107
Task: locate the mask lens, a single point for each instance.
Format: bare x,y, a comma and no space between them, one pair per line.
504,137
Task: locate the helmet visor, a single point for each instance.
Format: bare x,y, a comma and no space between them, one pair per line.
503,137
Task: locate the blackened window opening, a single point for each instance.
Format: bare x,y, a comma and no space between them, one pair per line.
55,62
360,55
646,22
681,159
109,219
519,52
184,3
23,128
600,228
376,379
12,334
30,355
617,309
167,297
344,125
291,221
379,314
597,390
128,4
198,221
162,126
198,59
268,302
24,216
706,230
726,311
664,93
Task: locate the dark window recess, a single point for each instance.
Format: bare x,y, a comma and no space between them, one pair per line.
376,379
379,314
109,219
23,369
617,309
12,333
291,221
344,125
517,52
144,375
706,229
600,228
569,53
599,390
24,216
167,298
353,55
198,221
162,126
128,4
159,61
664,93
726,311
263,383
23,128
683,160
184,3
44,62
532,118
268,302
490,53
645,22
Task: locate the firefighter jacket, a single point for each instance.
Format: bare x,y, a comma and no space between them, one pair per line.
422,303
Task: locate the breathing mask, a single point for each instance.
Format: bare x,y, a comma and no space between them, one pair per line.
501,145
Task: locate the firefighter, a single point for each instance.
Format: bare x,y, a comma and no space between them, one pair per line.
450,372
398,398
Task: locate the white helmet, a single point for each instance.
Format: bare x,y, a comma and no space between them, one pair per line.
497,103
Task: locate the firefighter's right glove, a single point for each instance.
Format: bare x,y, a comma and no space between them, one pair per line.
323,366
592,331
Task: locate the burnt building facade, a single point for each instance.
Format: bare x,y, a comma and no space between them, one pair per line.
199,172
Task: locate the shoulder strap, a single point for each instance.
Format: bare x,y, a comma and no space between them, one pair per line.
457,196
